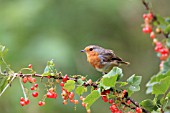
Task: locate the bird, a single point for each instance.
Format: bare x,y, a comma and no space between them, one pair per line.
103,60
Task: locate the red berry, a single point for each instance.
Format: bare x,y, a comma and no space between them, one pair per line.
54,95
40,103
32,88
83,104
111,101
76,101
29,79
164,56
30,66
49,95
164,51
48,77
62,84
150,16
22,99
152,35
36,85
128,102
104,98
145,16
35,94
148,29
22,103
27,101
158,48
71,95
24,80
33,80
65,78
138,110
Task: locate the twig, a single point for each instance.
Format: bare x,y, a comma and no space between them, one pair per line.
23,89
146,5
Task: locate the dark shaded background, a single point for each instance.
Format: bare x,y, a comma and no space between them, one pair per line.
36,31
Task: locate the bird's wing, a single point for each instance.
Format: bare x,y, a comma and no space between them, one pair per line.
107,55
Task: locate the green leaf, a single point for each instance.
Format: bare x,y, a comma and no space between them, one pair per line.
167,20
115,71
167,29
154,80
161,20
134,80
168,43
166,66
3,83
162,86
148,104
69,85
168,95
50,69
122,83
80,90
109,81
134,87
91,98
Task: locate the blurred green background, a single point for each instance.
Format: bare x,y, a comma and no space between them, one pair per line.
36,31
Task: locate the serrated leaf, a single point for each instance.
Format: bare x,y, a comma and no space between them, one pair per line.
122,83
134,87
109,81
115,71
162,86
148,104
80,90
69,85
91,98
134,80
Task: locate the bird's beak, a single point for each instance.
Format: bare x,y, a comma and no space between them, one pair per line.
82,51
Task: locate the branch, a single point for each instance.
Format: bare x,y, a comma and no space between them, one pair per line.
93,84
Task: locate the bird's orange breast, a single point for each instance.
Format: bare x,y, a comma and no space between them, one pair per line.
94,60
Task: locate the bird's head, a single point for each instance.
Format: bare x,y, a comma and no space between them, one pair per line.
90,49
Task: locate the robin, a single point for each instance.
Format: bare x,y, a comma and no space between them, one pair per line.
102,59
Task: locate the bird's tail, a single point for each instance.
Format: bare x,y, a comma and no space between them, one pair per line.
123,62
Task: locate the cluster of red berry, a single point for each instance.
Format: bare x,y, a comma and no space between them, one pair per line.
24,101
34,87
115,106
160,48
65,94
148,26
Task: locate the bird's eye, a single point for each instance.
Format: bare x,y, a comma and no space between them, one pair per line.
91,49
